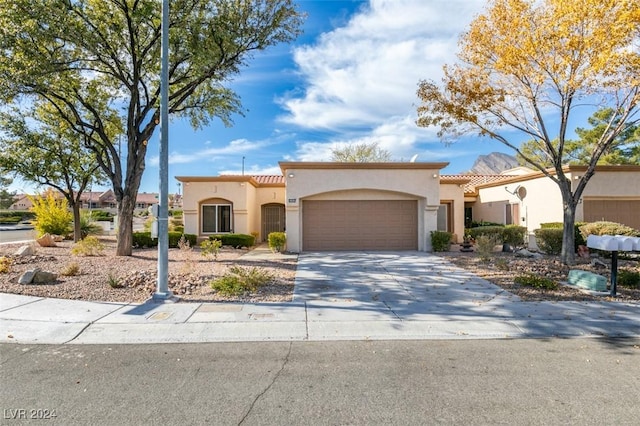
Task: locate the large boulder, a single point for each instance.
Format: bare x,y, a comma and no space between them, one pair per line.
47,240
44,277
26,250
27,276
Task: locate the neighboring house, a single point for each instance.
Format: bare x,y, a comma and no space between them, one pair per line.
21,202
104,200
612,194
393,206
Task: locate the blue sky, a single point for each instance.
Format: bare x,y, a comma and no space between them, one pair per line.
350,78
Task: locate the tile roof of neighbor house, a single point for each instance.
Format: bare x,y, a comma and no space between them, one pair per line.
474,180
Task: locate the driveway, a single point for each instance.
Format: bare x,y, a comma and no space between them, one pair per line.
401,285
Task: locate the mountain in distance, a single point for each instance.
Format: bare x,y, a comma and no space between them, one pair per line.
493,164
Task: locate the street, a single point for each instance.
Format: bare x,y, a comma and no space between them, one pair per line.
551,381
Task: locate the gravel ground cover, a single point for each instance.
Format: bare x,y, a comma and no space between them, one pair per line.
190,274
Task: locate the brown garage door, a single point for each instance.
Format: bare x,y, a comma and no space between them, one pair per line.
621,211
360,225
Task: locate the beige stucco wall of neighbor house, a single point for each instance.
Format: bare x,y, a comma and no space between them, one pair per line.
543,200
609,182
454,192
370,181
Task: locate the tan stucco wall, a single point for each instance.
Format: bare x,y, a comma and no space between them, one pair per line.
455,193
361,182
247,200
609,184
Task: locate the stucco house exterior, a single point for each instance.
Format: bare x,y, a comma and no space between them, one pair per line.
530,198
323,205
393,206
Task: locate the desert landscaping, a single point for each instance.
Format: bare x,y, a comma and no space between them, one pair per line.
109,278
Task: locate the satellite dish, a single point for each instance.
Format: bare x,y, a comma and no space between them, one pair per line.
413,159
521,192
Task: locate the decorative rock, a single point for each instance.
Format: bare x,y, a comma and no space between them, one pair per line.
598,264
44,277
24,251
528,254
27,277
46,240
58,238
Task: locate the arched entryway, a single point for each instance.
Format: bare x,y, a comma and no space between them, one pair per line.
273,219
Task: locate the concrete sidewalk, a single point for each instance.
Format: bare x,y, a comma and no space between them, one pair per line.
338,296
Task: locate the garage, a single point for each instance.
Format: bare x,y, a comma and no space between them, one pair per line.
613,210
359,225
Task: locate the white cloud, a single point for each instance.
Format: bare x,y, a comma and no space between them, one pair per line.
366,73
235,147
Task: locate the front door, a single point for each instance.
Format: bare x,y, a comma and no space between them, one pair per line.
273,219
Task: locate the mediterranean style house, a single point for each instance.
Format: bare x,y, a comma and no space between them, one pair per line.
395,205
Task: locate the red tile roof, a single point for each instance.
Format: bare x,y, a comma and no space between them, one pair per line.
474,180
268,179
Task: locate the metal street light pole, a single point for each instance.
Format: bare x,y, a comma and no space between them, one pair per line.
162,293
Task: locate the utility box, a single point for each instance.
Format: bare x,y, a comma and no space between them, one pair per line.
587,280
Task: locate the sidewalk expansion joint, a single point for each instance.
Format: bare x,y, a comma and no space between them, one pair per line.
90,323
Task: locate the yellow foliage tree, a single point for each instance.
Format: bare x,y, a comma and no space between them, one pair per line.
525,66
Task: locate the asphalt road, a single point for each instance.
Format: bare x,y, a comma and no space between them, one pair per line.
555,381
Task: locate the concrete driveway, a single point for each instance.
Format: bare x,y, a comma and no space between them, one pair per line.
399,285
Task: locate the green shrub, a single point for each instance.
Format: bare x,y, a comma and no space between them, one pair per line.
211,248
607,228
100,215
579,239
549,240
174,239
536,281
485,244
241,280
514,235
10,220
179,229
143,239
277,241
628,278
90,246
114,281
87,225
234,240
441,241
475,224
52,214
492,231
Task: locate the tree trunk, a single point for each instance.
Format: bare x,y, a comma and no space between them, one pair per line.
77,229
568,254
126,208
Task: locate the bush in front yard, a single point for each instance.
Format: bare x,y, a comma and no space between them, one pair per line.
441,241
549,240
628,278
241,280
143,239
234,240
277,240
607,228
